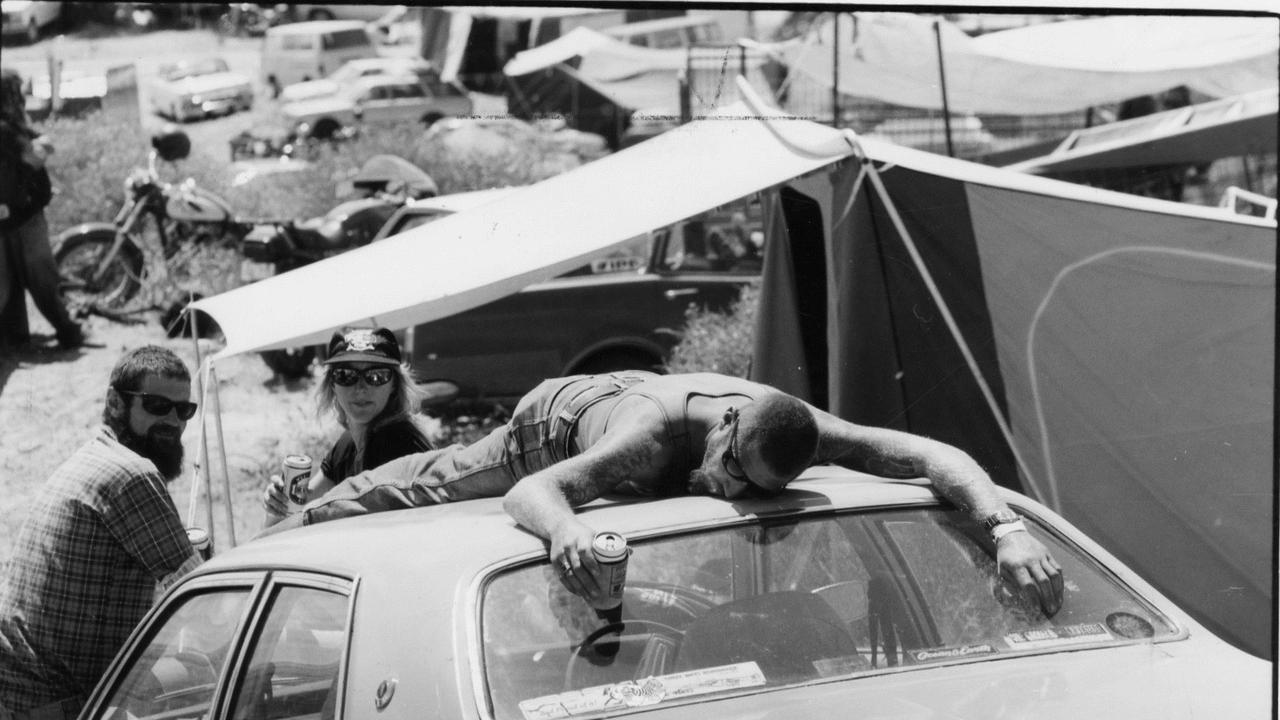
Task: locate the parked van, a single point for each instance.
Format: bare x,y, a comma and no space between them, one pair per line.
311,50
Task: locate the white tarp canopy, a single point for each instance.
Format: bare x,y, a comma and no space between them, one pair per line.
603,58
473,257
1041,69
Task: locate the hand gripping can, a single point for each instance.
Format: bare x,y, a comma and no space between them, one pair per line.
611,552
199,539
296,474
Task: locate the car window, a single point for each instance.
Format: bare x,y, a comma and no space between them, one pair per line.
293,663
298,42
775,603
408,90
345,39
175,674
728,239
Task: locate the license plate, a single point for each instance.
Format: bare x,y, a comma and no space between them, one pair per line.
253,271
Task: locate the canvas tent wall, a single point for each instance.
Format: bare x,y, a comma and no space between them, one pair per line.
1127,345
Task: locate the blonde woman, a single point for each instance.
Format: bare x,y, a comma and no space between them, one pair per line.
370,390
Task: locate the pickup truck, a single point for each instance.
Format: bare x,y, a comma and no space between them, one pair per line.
622,311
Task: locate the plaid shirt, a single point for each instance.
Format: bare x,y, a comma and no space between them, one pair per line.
102,532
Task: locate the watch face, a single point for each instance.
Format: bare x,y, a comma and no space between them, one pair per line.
999,518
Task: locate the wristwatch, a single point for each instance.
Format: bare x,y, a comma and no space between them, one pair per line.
1000,517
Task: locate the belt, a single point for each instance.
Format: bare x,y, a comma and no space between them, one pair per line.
605,387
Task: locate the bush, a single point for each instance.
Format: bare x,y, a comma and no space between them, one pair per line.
718,342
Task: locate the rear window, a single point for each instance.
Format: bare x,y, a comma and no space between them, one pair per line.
345,39
773,604
297,42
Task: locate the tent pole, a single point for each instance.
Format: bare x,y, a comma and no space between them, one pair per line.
952,325
201,480
835,69
942,81
222,448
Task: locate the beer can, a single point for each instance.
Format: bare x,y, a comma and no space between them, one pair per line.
611,552
297,474
199,539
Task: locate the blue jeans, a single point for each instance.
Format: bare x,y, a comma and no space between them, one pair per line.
541,433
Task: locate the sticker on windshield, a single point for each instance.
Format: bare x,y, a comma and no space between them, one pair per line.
639,693
1056,637
951,653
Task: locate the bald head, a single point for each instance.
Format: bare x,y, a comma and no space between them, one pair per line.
782,432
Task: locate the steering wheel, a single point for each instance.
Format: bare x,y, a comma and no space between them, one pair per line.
658,650
663,602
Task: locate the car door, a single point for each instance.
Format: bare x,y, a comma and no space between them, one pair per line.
234,645
377,104
409,102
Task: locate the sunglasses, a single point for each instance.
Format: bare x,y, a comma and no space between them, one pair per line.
373,377
729,459
160,406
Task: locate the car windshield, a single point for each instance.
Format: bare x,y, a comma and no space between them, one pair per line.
192,69
760,606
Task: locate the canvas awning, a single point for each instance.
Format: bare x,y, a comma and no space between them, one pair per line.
1041,69
534,234
1230,127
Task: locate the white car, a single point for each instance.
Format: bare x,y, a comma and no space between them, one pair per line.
845,596
354,69
375,99
28,18
195,89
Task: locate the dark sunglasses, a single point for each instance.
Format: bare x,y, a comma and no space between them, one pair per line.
729,459
373,377
160,406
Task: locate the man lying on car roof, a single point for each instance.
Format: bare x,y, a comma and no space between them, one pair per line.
574,439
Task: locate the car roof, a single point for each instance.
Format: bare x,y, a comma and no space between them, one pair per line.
373,544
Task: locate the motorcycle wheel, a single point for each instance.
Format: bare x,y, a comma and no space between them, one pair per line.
78,258
290,363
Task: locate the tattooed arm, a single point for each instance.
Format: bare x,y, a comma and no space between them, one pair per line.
543,502
1022,559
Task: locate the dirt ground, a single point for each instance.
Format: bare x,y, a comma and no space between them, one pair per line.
50,400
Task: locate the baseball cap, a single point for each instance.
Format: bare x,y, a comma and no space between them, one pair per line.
377,345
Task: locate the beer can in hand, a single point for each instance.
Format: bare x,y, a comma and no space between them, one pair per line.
296,474
611,552
199,539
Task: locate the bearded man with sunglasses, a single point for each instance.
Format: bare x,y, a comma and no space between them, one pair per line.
574,439
101,540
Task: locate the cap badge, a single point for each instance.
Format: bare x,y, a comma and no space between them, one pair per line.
360,341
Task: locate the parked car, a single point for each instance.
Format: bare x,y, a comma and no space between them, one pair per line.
28,18
302,51
367,12
618,312
375,99
359,68
844,596
189,89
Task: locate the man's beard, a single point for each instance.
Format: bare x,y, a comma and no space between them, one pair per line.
161,445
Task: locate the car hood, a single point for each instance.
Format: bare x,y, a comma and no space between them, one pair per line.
205,83
308,90
1183,679
316,107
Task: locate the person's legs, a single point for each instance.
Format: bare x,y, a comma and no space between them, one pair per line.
41,276
14,330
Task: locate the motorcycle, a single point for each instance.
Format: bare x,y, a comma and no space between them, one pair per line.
383,185
102,265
